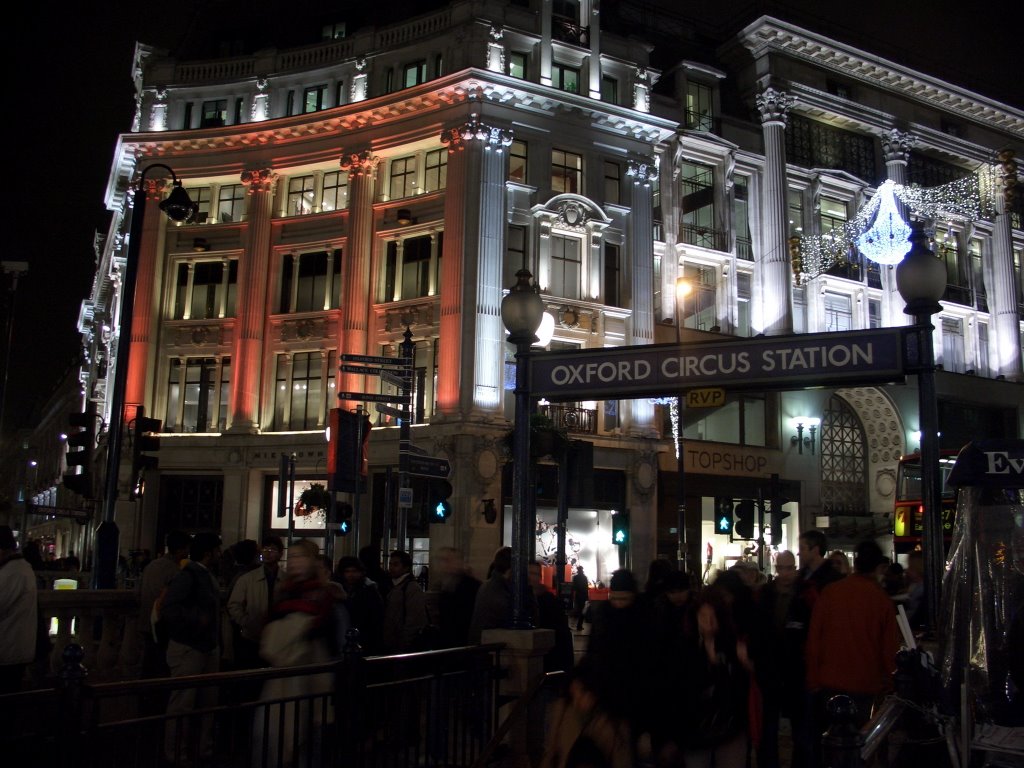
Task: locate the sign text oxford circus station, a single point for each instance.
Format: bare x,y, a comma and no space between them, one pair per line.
774,362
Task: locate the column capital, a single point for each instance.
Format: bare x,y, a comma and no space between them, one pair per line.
773,105
896,145
457,138
258,179
642,171
362,163
154,189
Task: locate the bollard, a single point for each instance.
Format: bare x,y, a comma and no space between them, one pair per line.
842,742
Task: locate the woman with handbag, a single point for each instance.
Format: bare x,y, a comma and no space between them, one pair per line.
718,679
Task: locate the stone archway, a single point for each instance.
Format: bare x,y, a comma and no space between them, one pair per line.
883,428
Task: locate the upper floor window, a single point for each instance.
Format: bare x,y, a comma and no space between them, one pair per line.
697,305
741,219
698,203
838,312
566,266
612,182
231,202
565,78
977,275
198,390
743,281
301,191
302,380
411,266
795,209
289,104
201,196
206,290
698,107
517,64
609,89
953,344
517,161
612,276
874,313
314,98
832,216
435,172
310,282
414,74
186,116
402,178
947,248
515,254
335,194
566,171
215,113
741,421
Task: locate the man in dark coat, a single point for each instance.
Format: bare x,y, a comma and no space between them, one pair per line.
456,598
580,595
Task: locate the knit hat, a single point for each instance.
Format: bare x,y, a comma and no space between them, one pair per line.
623,581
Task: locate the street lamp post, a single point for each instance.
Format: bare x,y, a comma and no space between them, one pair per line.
682,554
178,207
521,312
921,281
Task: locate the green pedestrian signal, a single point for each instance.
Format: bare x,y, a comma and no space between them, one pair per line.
723,515
620,529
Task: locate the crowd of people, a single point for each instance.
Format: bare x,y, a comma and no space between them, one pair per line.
677,674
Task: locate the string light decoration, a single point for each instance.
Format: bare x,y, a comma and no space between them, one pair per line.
968,199
673,410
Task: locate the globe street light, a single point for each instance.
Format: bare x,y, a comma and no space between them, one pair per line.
921,281
521,311
179,207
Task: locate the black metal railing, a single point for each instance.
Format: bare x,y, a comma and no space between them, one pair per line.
572,418
426,709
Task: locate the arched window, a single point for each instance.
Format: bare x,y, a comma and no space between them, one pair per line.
843,461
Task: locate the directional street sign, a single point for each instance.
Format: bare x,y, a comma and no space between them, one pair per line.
429,466
377,360
399,413
392,379
370,398
410,448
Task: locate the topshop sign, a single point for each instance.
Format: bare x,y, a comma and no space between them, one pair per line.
774,362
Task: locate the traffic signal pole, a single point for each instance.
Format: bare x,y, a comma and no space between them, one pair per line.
406,350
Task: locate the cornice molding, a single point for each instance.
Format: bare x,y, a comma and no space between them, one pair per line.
772,35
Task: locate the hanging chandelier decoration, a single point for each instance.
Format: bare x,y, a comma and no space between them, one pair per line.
967,199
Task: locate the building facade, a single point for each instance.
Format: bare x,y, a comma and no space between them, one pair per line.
397,178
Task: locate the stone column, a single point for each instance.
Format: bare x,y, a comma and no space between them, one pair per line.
643,173
896,147
1002,293
355,271
145,282
253,268
474,250
545,42
594,35
774,265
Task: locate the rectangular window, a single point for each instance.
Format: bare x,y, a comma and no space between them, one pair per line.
515,254
239,104
408,268
953,344
697,307
299,396
977,276
310,282
983,366
335,196
314,98
231,203
838,312
698,107
402,178
566,171
743,281
741,421
186,118
438,65
201,196
741,219
196,400
206,290
947,248
215,113
566,267
435,172
517,161
698,203
795,206
612,287
609,90
517,64
301,190
612,183
874,313
565,78
832,216
414,74
289,104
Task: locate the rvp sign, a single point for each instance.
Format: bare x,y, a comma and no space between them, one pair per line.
709,397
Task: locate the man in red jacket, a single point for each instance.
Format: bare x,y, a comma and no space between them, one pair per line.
853,640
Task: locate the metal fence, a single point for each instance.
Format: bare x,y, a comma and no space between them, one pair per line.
426,709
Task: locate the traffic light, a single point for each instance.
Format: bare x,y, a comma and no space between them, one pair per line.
80,447
440,509
343,511
723,515
620,528
348,455
145,440
743,523
777,514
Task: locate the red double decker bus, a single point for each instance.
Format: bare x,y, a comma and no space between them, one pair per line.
908,520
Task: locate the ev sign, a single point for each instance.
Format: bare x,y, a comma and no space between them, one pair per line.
772,362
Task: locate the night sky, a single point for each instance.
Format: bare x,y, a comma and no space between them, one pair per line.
73,95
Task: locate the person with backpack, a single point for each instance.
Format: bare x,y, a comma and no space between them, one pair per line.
155,578
191,612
